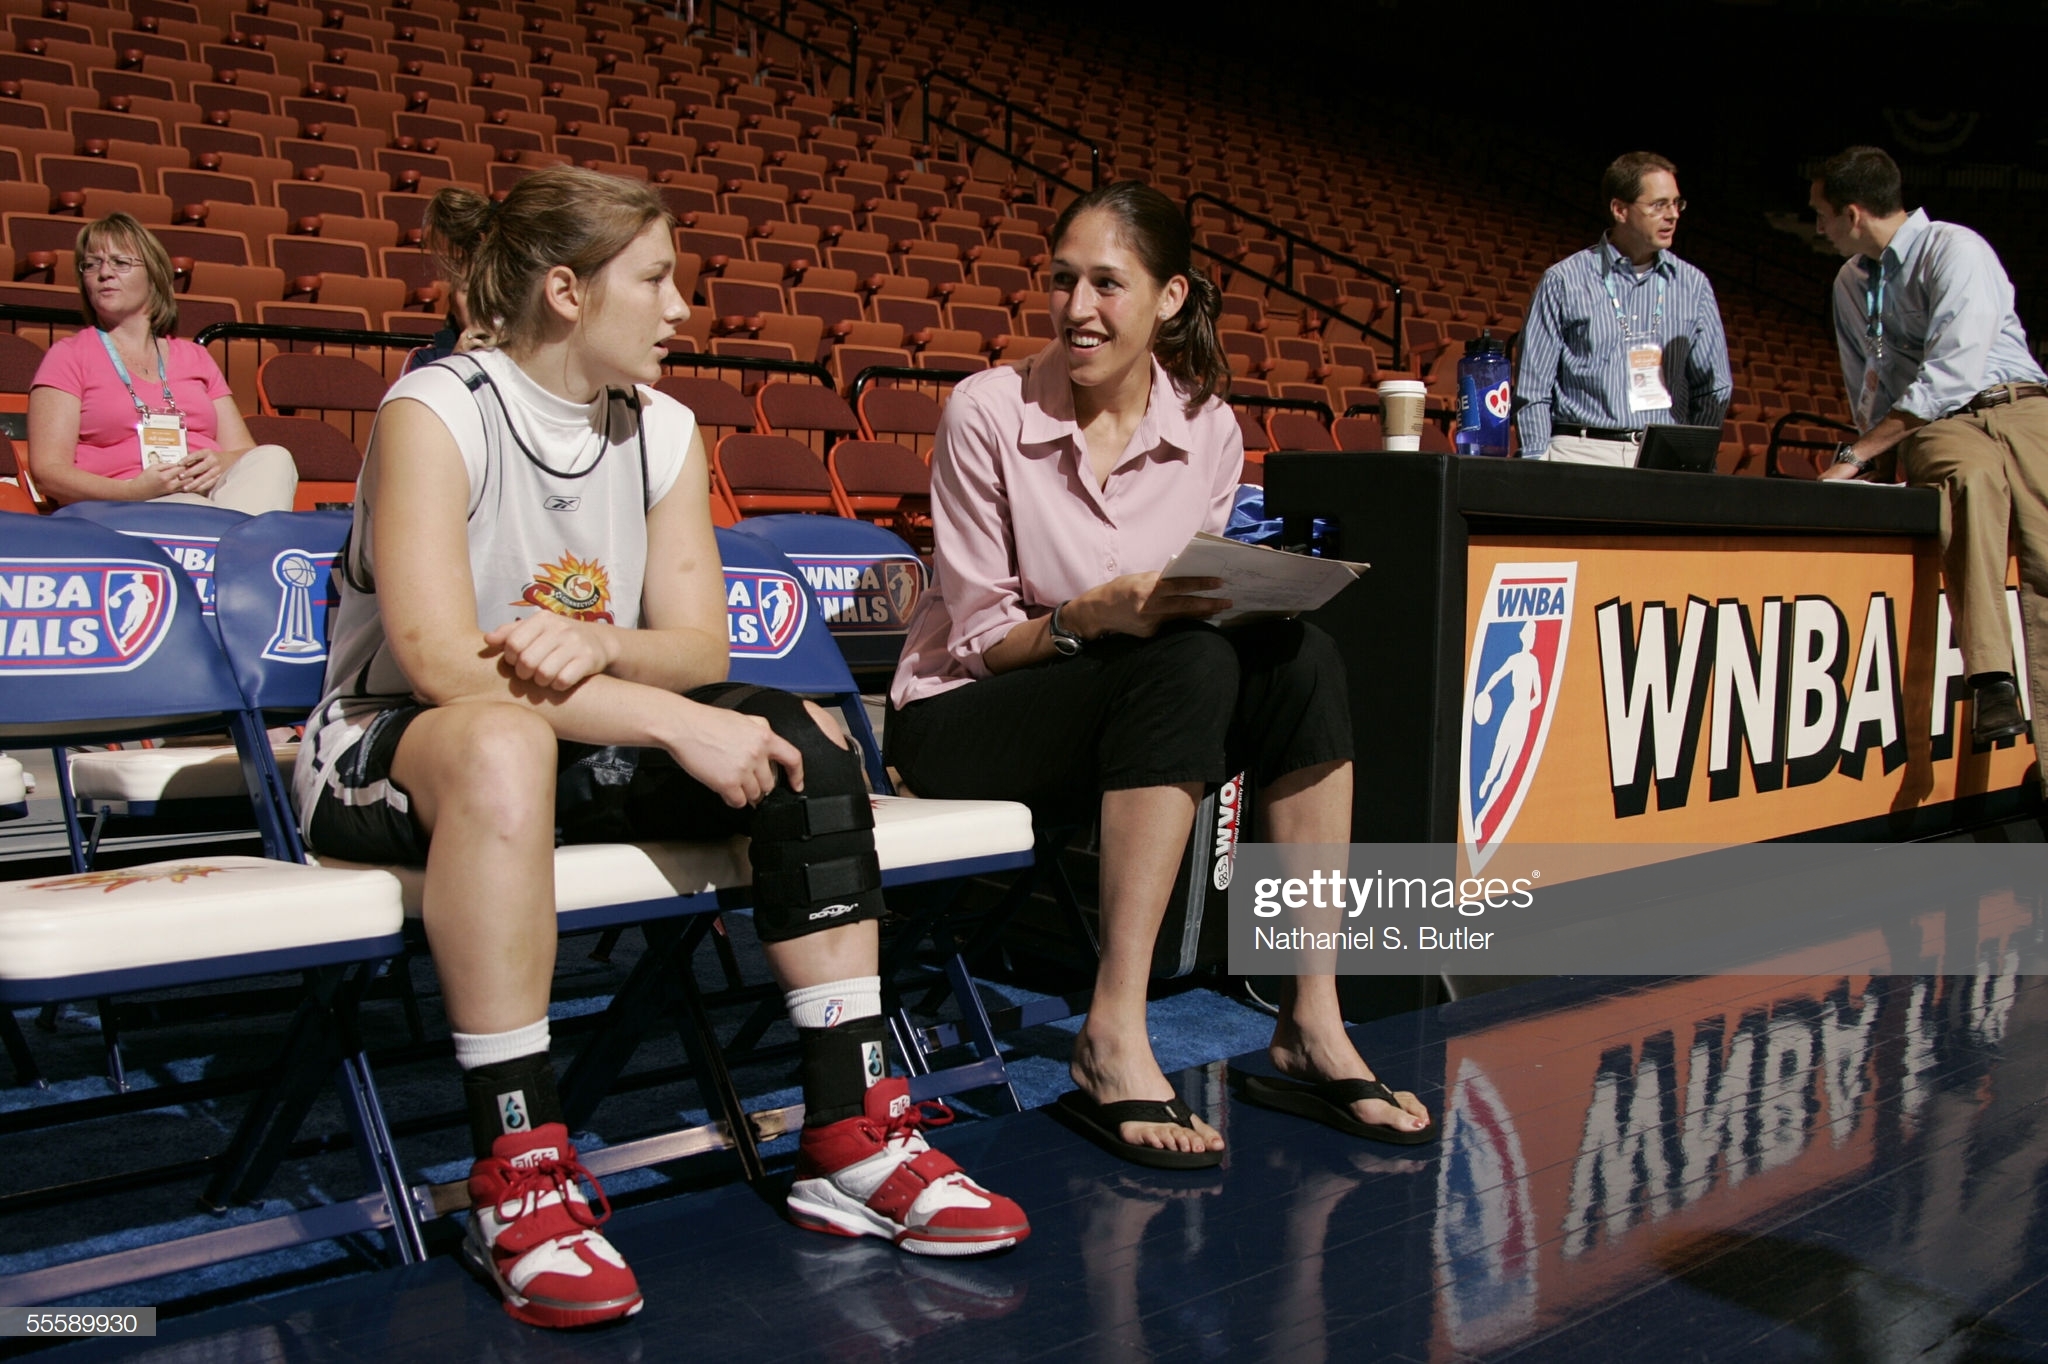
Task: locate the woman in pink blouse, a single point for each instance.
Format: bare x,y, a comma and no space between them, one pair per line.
1050,663
99,393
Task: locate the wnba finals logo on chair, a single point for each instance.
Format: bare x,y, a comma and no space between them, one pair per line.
1516,663
300,636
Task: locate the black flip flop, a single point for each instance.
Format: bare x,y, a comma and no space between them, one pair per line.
1329,1103
1099,1122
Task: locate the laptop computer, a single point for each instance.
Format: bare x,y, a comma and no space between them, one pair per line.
1681,449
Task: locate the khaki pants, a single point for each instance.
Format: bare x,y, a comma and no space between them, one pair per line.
262,480
1992,467
1616,454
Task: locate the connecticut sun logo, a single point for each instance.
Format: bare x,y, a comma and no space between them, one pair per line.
1517,661
577,588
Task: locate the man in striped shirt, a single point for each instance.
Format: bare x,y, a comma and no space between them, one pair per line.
1621,335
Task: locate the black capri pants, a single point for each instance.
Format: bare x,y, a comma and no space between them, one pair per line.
1190,704
813,854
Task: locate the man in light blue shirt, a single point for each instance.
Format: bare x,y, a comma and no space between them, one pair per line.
1623,335
1938,369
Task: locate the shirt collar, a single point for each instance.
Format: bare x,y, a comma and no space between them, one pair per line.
1611,259
1904,241
1049,408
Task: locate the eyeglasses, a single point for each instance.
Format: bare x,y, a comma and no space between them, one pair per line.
120,265
1657,208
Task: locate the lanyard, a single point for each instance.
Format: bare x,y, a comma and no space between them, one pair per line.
1873,312
162,374
1620,315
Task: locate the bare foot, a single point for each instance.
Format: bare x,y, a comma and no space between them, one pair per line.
1108,1071
1327,1054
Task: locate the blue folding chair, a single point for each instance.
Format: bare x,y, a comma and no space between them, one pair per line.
104,642
867,581
190,787
672,891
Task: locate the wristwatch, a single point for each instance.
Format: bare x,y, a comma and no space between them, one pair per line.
1066,641
1846,454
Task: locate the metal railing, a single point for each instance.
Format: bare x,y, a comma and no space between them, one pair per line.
1779,440
1286,285
760,364
1315,405
938,378
851,60
1011,112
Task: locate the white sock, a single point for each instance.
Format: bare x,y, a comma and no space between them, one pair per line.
473,1049
836,1002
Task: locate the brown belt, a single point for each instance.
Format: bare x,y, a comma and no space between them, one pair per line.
2003,394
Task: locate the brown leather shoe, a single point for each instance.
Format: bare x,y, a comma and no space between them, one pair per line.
1998,714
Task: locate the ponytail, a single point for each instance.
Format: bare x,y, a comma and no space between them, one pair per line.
501,252
1186,344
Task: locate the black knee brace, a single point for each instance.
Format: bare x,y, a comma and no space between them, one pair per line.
813,852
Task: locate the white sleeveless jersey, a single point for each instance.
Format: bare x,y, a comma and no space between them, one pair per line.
559,496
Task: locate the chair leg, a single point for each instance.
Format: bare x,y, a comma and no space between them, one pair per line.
714,1080
606,941
641,1001
110,1042
275,1114
379,1155
68,802
26,1071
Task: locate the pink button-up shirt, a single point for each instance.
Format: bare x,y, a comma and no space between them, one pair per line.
1020,526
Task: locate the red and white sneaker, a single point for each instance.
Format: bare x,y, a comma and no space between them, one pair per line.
875,1176
533,1231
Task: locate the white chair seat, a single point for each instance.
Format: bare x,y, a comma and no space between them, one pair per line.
908,833
189,910
193,772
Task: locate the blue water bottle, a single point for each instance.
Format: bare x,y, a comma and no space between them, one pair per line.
1483,397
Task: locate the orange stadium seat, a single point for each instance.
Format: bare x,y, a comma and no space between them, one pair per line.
763,475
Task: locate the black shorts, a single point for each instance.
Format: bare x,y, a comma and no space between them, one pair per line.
814,858
1190,704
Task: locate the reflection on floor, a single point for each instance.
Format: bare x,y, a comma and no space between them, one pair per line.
1753,1168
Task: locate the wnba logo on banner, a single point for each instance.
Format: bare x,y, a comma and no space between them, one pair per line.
1517,661
864,594
764,612
82,616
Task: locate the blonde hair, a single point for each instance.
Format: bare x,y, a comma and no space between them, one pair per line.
119,229
501,252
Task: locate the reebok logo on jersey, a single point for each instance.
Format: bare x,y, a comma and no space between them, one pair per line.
560,503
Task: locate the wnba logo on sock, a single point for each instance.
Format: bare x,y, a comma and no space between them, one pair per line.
835,1009
512,1111
872,1063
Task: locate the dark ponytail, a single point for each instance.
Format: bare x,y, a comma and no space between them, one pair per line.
1186,345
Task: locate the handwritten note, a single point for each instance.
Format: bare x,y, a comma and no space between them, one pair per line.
1260,582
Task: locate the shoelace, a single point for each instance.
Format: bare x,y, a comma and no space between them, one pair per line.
907,1124
525,1185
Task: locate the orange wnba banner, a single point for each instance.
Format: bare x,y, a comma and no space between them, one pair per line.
1711,689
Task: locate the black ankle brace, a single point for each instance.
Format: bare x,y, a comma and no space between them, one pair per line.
509,1096
839,1066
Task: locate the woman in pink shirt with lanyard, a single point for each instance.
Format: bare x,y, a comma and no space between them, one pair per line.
1050,663
125,412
